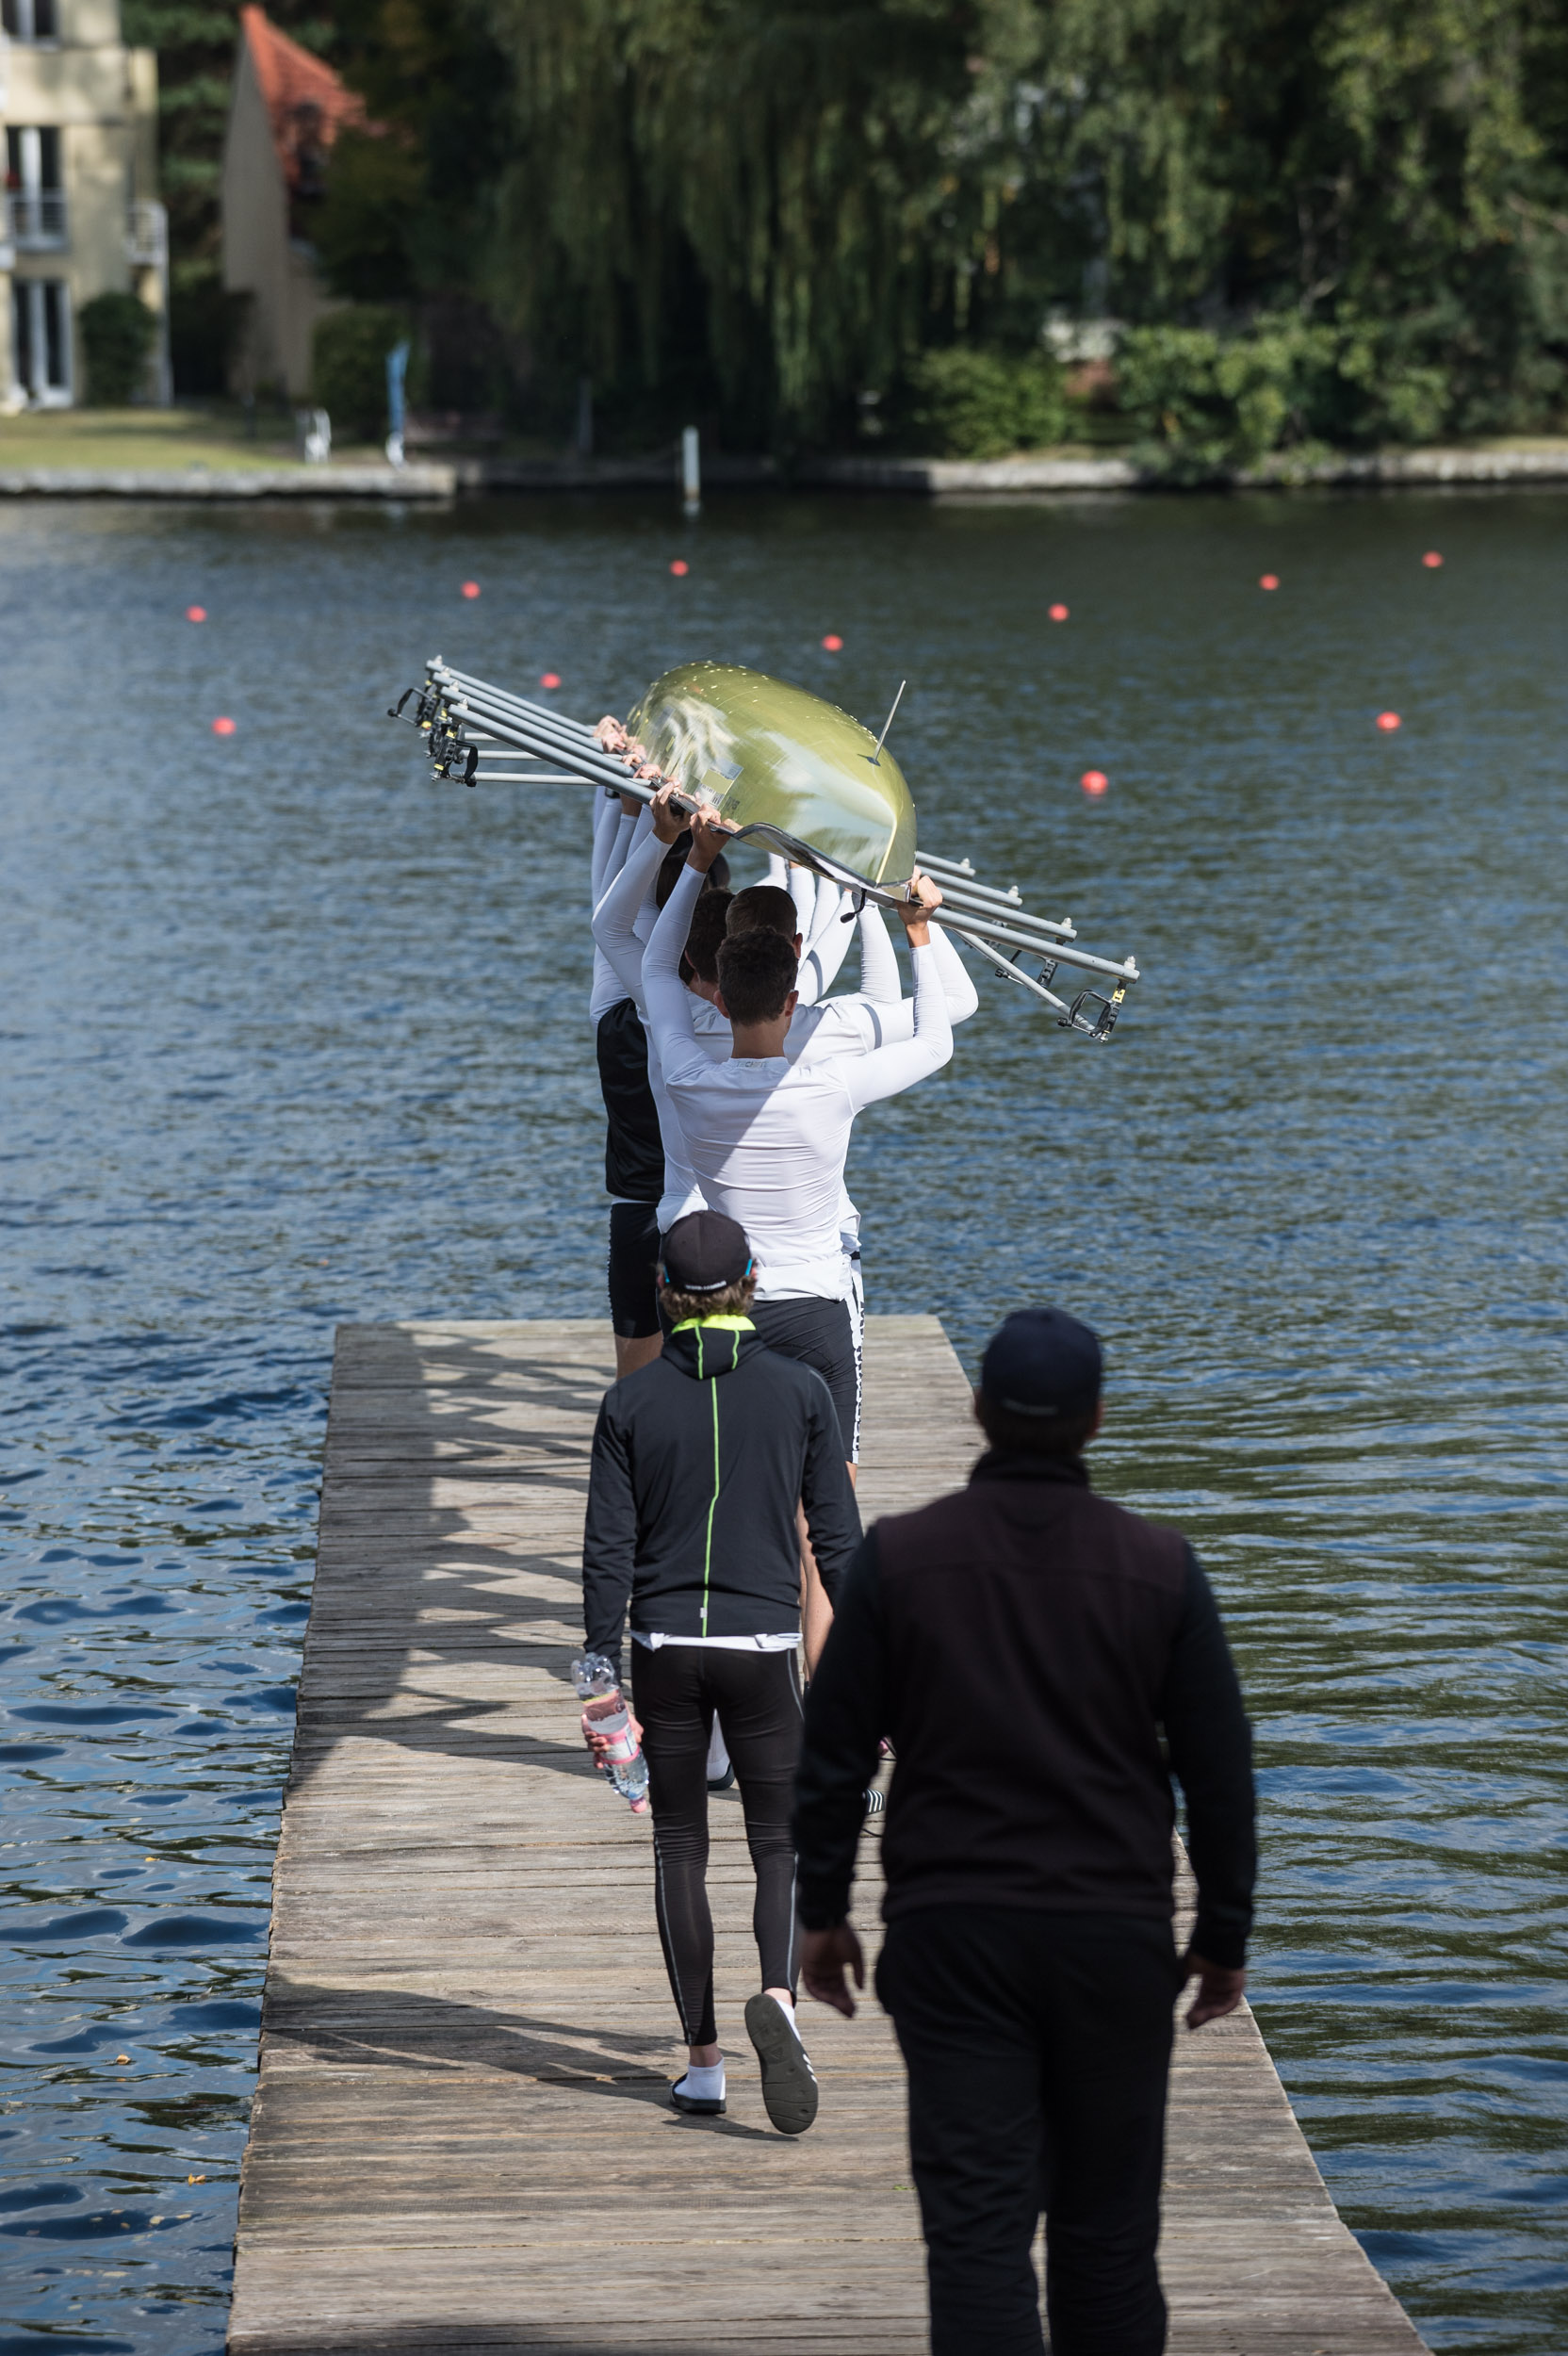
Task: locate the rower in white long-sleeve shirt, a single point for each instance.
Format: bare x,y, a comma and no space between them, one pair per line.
767,1138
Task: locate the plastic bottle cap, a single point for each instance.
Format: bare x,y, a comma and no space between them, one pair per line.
1268,581
1389,721
470,588
833,642
1432,560
223,728
195,613
1094,781
680,568
1058,612
550,678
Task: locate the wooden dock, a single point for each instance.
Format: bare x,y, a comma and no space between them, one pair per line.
460,2140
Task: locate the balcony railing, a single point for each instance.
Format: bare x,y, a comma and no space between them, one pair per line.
38,221
147,236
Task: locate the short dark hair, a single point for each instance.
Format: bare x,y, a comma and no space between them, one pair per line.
767,906
670,866
706,932
1034,1435
756,972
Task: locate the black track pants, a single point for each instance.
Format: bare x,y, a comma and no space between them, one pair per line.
1037,2047
677,1692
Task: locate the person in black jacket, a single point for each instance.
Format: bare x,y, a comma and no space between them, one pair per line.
1025,1645
699,1459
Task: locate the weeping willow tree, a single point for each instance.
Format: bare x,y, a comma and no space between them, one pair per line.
779,205
755,191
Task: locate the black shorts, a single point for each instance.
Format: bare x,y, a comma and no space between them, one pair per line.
634,1263
821,1333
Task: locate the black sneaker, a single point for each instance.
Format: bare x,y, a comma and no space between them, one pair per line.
876,1802
789,2081
695,2107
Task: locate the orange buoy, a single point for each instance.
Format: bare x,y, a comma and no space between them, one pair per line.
470,588
1432,560
680,568
223,728
1094,782
832,643
195,613
1268,581
1389,721
550,678
1057,612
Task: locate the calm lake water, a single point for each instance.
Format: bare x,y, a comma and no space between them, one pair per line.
290,1035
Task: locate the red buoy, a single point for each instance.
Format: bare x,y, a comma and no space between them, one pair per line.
195,613
1058,612
1094,781
680,568
470,588
832,643
1268,581
223,728
1432,560
550,678
1388,721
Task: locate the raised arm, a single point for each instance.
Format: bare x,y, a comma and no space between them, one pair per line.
667,999
957,988
887,1070
615,917
827,946
607,818
879,975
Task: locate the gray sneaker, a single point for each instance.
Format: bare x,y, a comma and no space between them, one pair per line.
789,2081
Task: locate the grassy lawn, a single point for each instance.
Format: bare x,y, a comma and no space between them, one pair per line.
154,437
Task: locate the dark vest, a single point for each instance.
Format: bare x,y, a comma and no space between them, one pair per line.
1029,1628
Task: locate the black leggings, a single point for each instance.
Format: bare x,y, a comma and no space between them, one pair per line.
677,1692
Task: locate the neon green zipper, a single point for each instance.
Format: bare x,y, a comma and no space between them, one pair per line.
723,1325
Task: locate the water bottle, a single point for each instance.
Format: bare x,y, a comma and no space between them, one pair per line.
604,1713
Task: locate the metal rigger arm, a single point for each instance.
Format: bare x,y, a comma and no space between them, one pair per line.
473,729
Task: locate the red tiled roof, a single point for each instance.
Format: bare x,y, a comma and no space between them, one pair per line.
307,102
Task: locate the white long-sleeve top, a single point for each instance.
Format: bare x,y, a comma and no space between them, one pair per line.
616,939
768,1138
612,836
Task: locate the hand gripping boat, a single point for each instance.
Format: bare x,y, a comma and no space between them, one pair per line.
793,773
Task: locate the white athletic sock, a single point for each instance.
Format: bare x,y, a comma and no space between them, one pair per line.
703,2085
718,1757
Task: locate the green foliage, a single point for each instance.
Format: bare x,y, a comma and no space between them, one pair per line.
118,334
364,227
348,367
1210,404
966,403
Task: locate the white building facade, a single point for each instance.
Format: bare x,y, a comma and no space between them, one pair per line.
82,216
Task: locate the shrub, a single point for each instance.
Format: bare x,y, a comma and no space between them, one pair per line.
348,367
118,333
964,404
1285,387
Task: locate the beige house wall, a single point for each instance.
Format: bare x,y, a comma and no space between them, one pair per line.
260,259
102,98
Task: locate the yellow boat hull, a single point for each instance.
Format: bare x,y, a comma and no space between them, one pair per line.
770,754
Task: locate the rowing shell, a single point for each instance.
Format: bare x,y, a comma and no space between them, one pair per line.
769,753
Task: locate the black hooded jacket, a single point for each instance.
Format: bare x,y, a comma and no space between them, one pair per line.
698,1460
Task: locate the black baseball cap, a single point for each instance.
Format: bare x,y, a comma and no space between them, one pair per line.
705,1252
1042,1363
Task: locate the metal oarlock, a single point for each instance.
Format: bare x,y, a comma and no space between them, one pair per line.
473,727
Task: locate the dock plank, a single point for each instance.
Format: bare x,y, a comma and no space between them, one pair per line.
460,2140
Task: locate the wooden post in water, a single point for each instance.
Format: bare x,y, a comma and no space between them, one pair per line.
460,2140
